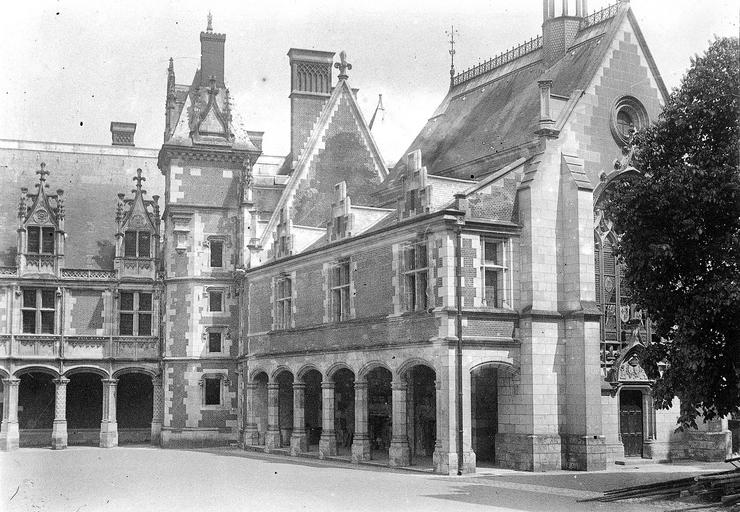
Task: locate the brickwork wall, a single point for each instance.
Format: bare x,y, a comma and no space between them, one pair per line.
85,312
343,157
304,112
193,184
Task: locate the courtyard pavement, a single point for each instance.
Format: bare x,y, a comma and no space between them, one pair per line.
140,478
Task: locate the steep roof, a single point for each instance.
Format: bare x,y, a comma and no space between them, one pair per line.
91,177
491,112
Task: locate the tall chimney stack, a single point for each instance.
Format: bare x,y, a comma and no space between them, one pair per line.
310,87
559,30
212,55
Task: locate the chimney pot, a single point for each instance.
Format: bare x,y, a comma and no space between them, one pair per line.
122,133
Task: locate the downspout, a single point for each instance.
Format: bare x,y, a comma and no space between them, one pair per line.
458,349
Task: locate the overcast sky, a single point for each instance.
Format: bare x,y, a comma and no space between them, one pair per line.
69,68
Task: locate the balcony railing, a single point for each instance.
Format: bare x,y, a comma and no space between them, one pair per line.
40,264
78,347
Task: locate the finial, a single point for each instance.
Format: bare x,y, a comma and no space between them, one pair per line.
138,178
209,28
343,65
171,67
42,172
451,33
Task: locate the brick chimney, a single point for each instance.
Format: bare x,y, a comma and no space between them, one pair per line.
122,133
559,29
310,87
212,55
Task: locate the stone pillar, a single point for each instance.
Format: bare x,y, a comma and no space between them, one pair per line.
157,410
272,437
398,453
9,434
298,440
440,406
251,436
59,428
361,440
328,441
109,426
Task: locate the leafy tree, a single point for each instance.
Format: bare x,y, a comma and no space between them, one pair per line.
680,219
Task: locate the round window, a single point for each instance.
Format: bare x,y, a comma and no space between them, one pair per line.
628,116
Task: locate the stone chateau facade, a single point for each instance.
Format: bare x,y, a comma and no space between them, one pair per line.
460,307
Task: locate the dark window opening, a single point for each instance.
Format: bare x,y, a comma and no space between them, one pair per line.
215,301
135,317
213,391
38,311
217,253
137,244
214,341
40,240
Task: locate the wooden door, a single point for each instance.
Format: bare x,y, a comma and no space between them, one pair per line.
630,422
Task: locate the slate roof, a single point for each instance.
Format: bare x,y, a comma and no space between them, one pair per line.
483,119
91,177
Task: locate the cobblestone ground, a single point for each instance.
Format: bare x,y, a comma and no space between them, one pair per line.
82,479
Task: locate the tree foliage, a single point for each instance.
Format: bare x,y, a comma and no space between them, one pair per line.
680,224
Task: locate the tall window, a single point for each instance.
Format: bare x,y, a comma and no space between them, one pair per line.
40,240
212,390
494,270
137,244
283,302
340,291
38,311
215,300
214,341
217,253
415,275
135,314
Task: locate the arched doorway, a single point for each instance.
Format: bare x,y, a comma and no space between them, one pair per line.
484,412
312,409
36,399
421,412
134,408
380,412
84,408
344,410
259,404
285,407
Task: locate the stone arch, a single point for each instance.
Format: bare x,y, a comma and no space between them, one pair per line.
135,369
277,371
4,374
41,368
607,179
503,366
301,373
87,369
411,363
333,369
371,365
255,372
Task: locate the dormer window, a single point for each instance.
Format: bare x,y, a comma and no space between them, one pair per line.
40,240
137,244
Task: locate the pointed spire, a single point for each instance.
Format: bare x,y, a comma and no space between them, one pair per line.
451,33
378,107
343,65
209,28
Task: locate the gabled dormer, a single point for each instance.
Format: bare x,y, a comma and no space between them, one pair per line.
137,234
282,244
416,192
210,115
41,230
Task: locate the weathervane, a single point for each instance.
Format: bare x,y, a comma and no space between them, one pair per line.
209,28
451,33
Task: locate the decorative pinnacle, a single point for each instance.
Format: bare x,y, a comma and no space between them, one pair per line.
138,178
209,28
451,51
343,65
43,173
